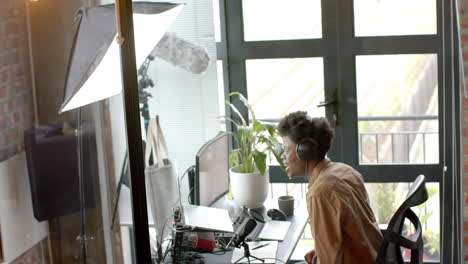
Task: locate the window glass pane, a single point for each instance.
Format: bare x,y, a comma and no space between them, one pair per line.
279,20
187,104
385,199
395,17
397,109
216,21
276,87
221,95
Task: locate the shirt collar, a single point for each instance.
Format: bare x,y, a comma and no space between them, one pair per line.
318,168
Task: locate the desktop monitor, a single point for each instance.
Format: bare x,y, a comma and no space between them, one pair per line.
211,179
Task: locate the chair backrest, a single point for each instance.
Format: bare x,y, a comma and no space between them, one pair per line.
390,250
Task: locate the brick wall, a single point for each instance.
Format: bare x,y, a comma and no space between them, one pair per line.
15,85
16,111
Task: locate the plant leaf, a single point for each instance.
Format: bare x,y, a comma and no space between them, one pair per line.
425,217
257,126
245,102
233,121
260,161
277,152
234,158
254,141
271,129
236,111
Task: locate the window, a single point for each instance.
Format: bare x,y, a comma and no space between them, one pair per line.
380,63
397,108
395,17
279,20
270,81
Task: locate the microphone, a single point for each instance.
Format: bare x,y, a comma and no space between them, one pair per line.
182,53
248,228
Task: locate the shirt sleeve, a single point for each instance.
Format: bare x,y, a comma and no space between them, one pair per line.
326,229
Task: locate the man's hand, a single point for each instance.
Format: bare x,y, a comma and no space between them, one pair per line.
309,257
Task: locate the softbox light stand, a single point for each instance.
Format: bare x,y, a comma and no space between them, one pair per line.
82,239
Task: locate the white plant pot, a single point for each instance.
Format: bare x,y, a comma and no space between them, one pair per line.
249,189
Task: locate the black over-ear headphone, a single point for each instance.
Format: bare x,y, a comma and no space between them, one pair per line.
307,149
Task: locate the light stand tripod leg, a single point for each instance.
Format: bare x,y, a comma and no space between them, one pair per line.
119,187
81,188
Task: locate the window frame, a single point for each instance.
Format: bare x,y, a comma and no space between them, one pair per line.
339,47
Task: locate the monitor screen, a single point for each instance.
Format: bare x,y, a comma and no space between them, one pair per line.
212,171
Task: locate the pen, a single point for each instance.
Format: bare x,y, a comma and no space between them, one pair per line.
263,245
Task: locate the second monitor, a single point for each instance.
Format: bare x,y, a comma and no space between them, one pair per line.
210,180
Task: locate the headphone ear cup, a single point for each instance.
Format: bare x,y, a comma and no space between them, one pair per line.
307,150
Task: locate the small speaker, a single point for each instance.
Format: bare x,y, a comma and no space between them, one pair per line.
52,162
307,149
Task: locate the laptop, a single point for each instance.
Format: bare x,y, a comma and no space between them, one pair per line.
202,218
206,218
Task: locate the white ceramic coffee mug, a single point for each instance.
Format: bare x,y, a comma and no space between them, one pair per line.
287,204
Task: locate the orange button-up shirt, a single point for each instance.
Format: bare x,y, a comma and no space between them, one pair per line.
343,225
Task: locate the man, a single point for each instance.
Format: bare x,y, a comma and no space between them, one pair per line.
342,222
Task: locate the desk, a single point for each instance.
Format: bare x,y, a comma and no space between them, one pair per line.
285,247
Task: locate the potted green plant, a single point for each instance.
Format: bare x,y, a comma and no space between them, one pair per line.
249,173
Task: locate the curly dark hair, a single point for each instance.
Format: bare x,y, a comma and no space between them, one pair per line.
298,126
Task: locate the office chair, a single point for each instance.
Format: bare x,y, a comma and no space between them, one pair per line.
390,251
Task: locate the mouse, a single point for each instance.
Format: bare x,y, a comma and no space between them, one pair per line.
276,214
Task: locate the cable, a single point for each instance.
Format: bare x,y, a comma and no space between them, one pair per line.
169,247
186,171
162,232
276,260
189,199
188,257
222,243
179,180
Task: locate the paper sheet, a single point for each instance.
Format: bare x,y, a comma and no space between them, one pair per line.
20,230
267,253
274,230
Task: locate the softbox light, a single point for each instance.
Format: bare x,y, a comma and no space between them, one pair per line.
94,68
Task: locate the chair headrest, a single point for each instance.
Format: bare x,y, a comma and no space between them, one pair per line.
417,193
